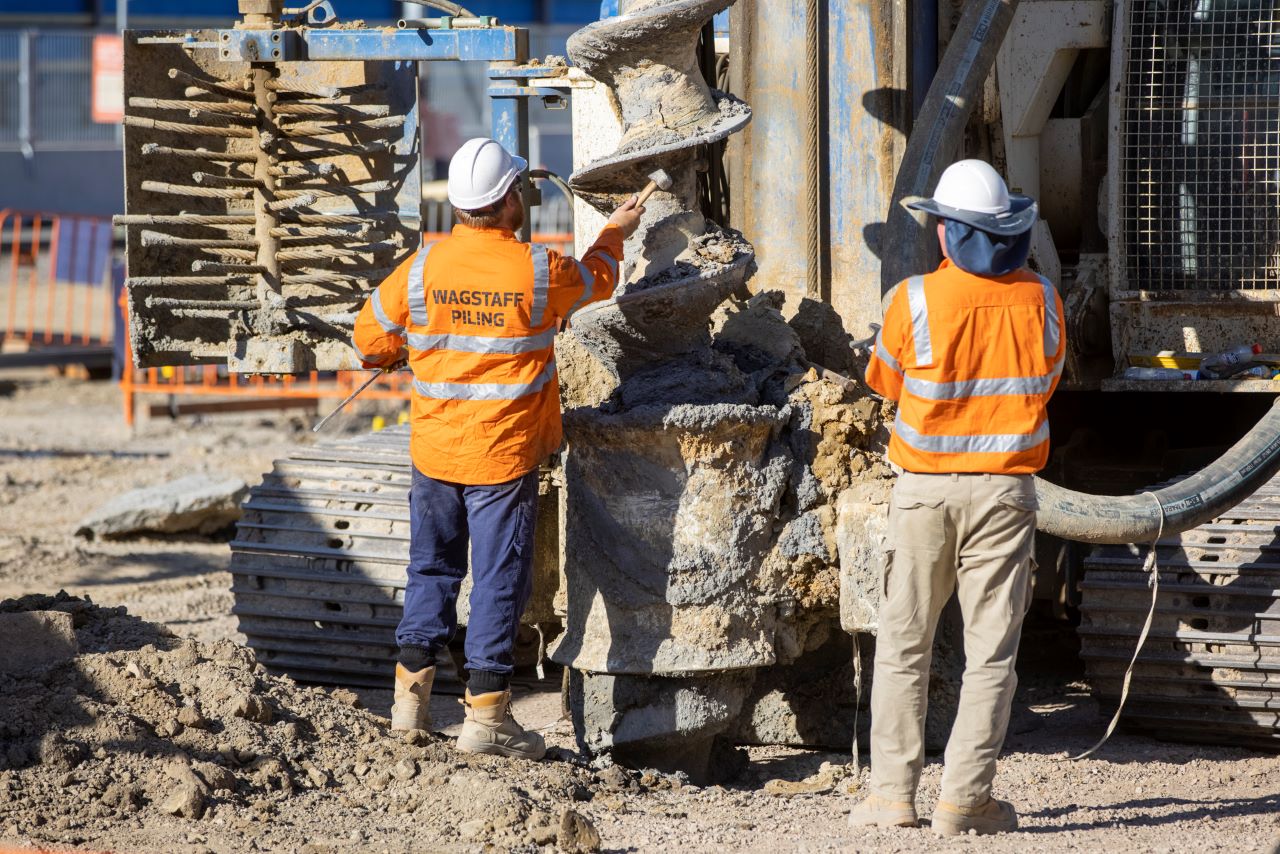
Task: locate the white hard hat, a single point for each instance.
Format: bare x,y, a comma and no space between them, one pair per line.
971,191
481,173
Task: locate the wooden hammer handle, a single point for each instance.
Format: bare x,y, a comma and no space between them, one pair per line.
648,191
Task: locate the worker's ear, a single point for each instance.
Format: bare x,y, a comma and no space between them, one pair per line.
514,199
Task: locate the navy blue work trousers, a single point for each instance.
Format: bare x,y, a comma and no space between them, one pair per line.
498,522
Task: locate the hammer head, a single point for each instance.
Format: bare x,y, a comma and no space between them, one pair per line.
663,180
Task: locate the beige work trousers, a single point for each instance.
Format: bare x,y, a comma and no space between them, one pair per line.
970,533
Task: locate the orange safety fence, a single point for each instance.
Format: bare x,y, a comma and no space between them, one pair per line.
55,280
215,380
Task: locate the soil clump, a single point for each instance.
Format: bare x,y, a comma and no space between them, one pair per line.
146,729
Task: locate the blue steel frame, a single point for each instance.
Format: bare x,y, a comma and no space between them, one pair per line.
506,48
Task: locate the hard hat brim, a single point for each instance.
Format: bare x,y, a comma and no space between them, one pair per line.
1022,214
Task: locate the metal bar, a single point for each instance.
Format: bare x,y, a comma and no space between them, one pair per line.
25,83
201,192
334,111
194,130
213,87
188,280
209,220
511,129
192,107
237,405
70,355
500,44
152,148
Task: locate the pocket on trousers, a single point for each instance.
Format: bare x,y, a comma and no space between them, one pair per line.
526,516
1032,568
917,522
885,569
1020,501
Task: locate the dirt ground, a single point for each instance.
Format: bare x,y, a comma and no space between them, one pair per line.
64,449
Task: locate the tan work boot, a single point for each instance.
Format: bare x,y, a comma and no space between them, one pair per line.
875,811
490,728
412,707
992,817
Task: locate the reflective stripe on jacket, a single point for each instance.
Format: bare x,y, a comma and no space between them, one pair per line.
479,312
972,363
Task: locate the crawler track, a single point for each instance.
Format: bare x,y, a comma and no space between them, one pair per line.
1210,670
319,559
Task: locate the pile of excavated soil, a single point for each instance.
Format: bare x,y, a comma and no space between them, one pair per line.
145,737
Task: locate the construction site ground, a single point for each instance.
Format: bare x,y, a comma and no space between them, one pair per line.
323,775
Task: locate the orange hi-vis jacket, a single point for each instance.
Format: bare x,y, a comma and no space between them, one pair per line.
479,312
972,362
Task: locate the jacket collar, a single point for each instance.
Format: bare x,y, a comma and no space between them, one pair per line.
461,230
956,270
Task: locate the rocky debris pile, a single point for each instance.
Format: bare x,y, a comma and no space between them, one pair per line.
694,616
144,732
198,503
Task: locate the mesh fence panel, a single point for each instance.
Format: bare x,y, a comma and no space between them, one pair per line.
1201,145
9,95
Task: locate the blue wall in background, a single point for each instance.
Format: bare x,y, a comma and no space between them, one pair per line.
508,11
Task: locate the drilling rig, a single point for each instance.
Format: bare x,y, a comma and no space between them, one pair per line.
717,518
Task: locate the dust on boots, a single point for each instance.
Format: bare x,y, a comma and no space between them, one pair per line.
490,728
412,706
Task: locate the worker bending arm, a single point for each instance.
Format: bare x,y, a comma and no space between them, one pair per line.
379,338
884,370
575,284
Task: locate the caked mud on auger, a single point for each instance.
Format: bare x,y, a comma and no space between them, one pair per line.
679,266
681,562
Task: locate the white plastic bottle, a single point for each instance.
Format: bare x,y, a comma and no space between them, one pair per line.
1136,373
1234,356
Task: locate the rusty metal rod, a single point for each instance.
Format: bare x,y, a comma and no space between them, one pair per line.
230,90
320,277
306,170
156,238
341,219
292,89
202,266
298,233
299,254
330,191
234,131
334,110
152,148
293,130
198,192
247,254
192,107
305,200
178,302
225,180
190,280
323,148
211,220
282,88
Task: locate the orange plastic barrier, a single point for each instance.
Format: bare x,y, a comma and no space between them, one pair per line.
55,279
216,381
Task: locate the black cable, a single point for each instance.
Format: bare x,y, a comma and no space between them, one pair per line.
445,6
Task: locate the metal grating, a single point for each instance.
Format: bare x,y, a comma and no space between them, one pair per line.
1201,156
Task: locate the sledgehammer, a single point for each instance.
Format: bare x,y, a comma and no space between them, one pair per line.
658,180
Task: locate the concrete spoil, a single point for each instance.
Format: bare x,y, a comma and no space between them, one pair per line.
93,753
700,523
702,555
196,503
